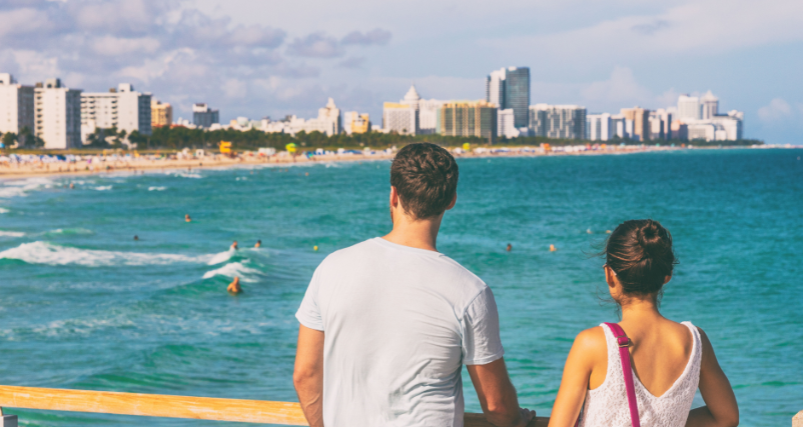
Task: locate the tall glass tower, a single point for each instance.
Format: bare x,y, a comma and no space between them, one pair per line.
510,88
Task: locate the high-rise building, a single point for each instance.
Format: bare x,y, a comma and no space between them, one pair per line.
558,121
161,113
660,124
641,122
121,108
709,106
598,127
16,105
203,116
699,118
400,118
57,115
510,88
506,124
468,118
689,108
426,111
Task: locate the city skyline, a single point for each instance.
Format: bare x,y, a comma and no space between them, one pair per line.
273,60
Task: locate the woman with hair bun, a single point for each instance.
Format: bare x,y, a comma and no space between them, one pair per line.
645,370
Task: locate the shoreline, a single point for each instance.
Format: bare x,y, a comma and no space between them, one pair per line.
7,172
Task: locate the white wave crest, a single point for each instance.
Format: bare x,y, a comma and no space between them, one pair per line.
70,231
157,188
11,233
2,210
50,254
222,257
235,269
186,175
103,188
18,188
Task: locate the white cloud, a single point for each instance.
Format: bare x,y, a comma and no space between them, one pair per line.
621,88
234,88
111,46
777,110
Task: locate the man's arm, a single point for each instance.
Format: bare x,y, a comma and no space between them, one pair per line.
497,395
308,374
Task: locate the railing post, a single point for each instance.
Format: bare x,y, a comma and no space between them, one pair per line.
8,420
797,421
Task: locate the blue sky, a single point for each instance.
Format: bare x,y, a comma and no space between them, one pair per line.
272,58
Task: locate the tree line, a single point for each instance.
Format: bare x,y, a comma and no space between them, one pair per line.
177,138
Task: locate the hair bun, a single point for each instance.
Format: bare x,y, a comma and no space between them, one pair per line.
652,238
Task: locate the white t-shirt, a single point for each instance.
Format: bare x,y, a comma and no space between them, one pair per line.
399,323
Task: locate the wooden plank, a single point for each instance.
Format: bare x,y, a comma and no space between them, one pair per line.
153,405
160,405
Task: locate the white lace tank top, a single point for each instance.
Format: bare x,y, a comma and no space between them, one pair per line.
606,405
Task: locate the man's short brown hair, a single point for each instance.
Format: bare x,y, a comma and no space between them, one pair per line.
425,177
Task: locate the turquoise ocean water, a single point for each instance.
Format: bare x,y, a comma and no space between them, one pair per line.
85,306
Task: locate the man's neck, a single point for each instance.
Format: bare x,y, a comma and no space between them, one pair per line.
421,234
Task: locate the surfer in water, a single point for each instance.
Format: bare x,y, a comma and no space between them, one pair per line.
187,218
259,244
234,287
234,246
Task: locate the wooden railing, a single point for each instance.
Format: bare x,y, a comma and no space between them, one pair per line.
200,408
159,405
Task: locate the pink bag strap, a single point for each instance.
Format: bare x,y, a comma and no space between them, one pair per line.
624,355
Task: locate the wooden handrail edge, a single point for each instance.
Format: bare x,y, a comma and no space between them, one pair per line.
170,406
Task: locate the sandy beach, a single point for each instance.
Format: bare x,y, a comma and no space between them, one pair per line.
115,164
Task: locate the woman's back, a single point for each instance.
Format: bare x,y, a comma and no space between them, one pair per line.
666,364
669,360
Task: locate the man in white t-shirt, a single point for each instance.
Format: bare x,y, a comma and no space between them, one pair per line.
387,324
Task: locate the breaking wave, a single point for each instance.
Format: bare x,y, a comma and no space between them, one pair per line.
157,188
11,233
19,188
235,269
50,254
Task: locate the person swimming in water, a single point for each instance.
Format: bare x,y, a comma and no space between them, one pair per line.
234,287
259,244
234,246
187,218
509,247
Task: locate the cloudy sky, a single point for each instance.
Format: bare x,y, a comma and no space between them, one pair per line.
271,58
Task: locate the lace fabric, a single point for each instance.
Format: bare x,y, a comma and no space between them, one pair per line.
606,405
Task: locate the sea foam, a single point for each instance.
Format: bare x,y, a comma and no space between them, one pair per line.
18,188
11,233
50,254
235,269
157,188
3,210
103,188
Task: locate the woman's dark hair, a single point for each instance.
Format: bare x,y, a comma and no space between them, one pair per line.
640,253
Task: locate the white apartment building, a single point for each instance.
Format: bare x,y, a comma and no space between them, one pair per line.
329,122
689,108
16,105
400,118
121,108
700,118
426,110
598,127
660,124
506,124
558,121
57,115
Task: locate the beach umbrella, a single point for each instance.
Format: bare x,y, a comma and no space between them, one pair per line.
291,147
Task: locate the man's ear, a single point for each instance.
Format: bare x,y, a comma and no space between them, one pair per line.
394,197
454,200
